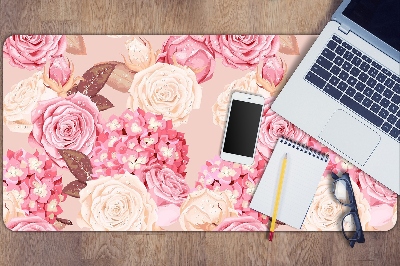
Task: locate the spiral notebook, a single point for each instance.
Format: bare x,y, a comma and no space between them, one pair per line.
304,170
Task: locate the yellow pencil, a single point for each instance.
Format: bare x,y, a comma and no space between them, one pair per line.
278,196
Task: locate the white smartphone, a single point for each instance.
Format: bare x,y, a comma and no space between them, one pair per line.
241,128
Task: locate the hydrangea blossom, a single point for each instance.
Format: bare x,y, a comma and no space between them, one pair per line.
136,140
34,178
240,181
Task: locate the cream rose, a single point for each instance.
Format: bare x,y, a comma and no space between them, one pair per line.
246,84
166,89
326,213
118,203
203,210
22,99
11,206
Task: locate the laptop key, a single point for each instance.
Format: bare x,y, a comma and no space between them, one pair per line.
396,88
340,50
376,97
366,58
343,75
371,82
397,123
391,119
335,70
361,110
360,86
337,39
332,91
350,91
384,102
332,44
381,77
393,108
356,60
317,69
389,82
355,51
334,80
396,99
358,97
367,102
394,132
346,45
364,66
346,66
396,78
363,77
348,55
383,113
379,87
386,71
386,127
388,93
355,71
376,65
368,91
373,72
375,108
351,81
342,86
338,60
314,79
328,54
322,61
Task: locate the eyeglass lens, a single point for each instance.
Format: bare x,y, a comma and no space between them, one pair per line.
340,192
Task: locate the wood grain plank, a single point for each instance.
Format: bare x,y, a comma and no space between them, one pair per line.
103,245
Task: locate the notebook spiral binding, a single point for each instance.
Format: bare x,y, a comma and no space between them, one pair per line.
303,148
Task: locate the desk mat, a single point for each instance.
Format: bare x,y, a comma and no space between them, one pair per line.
122,133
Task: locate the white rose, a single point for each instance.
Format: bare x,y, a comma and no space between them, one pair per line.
246,84
326,213
203,210
22,99
118,203
166,89
11,206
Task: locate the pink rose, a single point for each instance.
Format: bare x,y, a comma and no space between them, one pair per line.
30,223
65,123
31,51
244,51
241,223
59,70
375,192
166,186
193,51
273,70
273,127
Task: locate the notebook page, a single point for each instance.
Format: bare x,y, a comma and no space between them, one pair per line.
302,175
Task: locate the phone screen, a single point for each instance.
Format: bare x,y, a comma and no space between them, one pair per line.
241,133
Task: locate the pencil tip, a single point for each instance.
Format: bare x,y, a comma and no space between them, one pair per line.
285,155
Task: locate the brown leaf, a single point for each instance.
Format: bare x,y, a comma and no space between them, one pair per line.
78,163
289,45
73,188
121,78
64,221
101,102
76,45
94,79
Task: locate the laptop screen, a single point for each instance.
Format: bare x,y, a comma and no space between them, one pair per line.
379,17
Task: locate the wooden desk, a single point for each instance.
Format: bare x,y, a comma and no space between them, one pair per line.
178,17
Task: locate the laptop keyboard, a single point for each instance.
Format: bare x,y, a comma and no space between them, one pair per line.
360,83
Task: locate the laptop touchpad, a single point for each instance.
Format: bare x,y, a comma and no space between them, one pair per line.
350,136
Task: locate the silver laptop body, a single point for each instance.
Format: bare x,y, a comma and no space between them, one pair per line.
345,92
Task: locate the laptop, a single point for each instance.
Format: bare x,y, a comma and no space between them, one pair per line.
346,91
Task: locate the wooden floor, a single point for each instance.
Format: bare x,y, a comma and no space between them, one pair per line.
179,17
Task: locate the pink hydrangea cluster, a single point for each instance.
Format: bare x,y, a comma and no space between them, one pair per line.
135,140
240,181
34,177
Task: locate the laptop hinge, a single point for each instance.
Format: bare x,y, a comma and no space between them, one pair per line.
344,29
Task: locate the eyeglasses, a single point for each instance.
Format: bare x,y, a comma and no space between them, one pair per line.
351,225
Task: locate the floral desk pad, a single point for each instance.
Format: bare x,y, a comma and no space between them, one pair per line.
122,133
